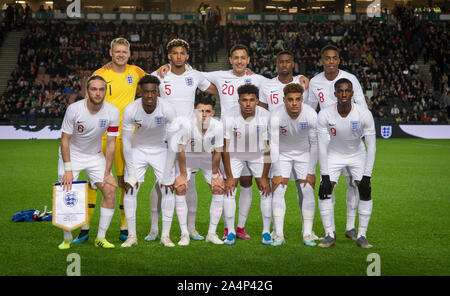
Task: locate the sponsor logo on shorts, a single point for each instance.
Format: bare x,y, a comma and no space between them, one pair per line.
80,128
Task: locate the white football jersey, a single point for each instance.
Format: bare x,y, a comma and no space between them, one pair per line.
87,129
271,93
227,84
247,138
199,146
179,90
345,133
150,130
295,135
321,90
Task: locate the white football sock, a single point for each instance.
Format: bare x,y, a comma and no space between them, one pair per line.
279,209
229,211
191,200
167,207
67,234
266,210
326,209
352,203
333,200
155,206
365,211
129,206
308,208
105,219
299,195
245,201
215,212
181,209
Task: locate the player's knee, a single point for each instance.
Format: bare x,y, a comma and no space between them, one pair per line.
181,191
217,191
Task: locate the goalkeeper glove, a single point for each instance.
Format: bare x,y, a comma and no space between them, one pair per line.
364,187
325,187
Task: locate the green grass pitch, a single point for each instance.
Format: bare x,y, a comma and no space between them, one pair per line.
409,228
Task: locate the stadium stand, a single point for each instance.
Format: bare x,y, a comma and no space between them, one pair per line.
56,56
383,56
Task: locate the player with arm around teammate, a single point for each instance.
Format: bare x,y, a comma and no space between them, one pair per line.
178,87
83,127
297,150
340,127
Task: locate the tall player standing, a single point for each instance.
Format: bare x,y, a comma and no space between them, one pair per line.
178,87
321,91
340,127
83,127
122,82
297,150
271,96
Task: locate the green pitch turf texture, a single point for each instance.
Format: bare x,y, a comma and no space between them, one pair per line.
409,228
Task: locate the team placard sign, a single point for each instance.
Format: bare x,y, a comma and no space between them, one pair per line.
70,207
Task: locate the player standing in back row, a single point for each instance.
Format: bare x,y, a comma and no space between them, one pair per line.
322,92
178,87
340,127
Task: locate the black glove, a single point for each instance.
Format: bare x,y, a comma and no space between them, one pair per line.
365,187
325,187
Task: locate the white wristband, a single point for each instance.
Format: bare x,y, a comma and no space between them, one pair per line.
67,166
213,176
132,180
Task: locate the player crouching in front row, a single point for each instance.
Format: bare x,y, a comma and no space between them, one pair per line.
202,140
83,127
246,143
340,127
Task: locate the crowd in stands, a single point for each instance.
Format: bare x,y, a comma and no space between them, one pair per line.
384,56
56,57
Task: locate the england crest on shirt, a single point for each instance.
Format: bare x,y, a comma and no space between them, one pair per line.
354,125
386,131
102,123
159,120
130,79
303,125
189,81
248,81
